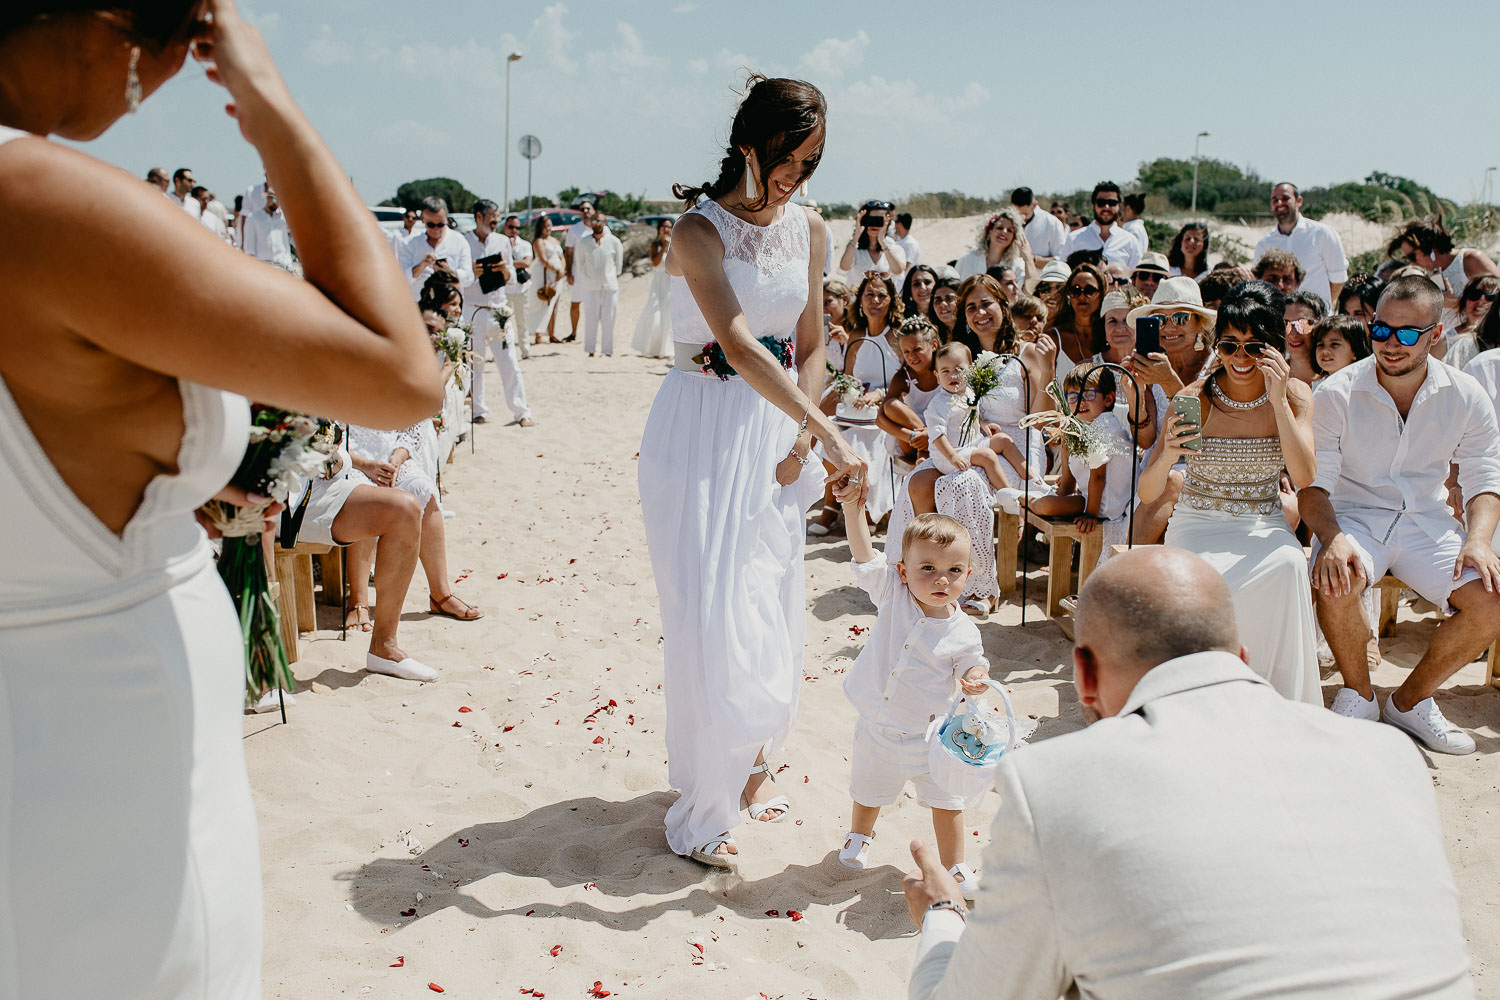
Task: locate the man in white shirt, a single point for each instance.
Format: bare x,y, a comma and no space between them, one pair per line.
908,244
435,247
1045,233
182,191
515,288
1385,431
1103,234
576,232
1132,206
1206,838
488,335
1317,247
598,259
252,201
266,237
209,212
157,176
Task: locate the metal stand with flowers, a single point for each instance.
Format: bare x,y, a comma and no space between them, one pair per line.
285,450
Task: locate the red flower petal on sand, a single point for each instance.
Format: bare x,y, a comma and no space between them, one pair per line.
506,729
399,962
794,914
502,576
590,885
465,708
434,987
463,842
598,739
773,913
412,912
598,989
556,950
458,725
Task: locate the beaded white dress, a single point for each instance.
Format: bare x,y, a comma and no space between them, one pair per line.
726,540
1230,514
129,866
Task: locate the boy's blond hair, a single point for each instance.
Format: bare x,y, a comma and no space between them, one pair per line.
952,350
940,529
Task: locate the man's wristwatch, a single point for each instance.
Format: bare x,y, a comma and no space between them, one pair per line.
948,904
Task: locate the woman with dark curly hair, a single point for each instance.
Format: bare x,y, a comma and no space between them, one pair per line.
1189,253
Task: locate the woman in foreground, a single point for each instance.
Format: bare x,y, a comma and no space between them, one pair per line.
727,471
122,671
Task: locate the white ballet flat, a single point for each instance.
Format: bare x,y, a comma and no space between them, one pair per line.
408,669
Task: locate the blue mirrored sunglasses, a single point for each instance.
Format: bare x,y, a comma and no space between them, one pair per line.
1406,336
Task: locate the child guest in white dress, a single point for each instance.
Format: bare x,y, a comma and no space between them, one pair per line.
920,648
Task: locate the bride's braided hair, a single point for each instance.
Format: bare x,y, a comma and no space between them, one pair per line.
776,116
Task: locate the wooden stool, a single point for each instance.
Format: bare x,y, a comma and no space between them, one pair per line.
1007,541
1390,599
297,600
1061,538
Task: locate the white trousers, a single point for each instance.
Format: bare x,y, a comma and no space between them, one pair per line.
598,311
490,338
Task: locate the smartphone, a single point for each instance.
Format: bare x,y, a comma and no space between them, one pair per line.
1148,335
1190,409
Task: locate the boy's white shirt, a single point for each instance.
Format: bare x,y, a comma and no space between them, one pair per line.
909,670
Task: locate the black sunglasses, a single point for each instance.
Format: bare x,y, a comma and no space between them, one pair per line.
1106,201
1477,295
1406,336
436,225
1083,290
1252,348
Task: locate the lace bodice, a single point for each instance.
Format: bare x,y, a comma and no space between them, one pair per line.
1234,475
1006,403
766,266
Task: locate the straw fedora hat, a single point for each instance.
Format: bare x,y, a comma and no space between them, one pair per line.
1179,294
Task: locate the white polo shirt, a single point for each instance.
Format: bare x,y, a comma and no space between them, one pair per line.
1377,468
1121,248
1317,248
1046,234
908,671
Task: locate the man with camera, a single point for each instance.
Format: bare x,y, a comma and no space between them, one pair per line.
434,247
1206,838
494,270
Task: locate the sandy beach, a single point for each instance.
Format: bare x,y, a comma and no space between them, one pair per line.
498,833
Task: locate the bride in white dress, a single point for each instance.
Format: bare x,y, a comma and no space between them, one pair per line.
1257,421
727,471
129,866
653,331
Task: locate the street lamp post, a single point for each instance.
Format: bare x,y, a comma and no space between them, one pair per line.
1200,137
513,57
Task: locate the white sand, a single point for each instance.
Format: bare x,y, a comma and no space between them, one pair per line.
520,841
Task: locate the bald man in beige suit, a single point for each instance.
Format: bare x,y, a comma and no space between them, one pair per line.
1206,839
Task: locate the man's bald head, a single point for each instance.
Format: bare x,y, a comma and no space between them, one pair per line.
1145,607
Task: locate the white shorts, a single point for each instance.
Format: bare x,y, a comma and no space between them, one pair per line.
944,466
1407,552
884,760
323,505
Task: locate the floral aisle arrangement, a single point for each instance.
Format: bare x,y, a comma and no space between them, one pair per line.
845,387
452,346
1063,426
285,450
980,380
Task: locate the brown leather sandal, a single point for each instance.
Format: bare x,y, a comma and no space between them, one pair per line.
468,614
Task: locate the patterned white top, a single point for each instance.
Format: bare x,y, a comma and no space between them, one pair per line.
766,266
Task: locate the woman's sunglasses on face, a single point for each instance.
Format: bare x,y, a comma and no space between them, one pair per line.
1406,336
1079,291
1251,348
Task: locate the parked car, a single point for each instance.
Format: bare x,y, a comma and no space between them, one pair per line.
562,218
652,221
388,213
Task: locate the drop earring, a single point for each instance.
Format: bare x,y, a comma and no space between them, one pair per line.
133,81
750,191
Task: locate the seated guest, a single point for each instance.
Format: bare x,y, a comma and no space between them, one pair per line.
343,508
1051,288
1214,285
1001,241
945,306
1303,310
916,293
1149,273
1189,253
1281,270
1459,343
1336,343
1429,245
1359,296
398,460
1386,430
1179,847
1005,274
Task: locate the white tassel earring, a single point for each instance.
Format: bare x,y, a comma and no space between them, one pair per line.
133,81
750,191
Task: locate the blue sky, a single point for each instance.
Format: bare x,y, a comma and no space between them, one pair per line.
979,97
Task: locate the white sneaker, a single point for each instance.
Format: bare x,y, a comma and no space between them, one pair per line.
408,669
271,701
1425,724
1350,705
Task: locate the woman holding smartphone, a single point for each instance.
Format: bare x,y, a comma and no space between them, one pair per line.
1236,429
871,248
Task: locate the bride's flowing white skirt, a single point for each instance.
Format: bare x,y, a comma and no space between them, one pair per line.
726,549
1263,564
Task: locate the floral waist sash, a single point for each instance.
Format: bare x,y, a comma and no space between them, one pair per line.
710,360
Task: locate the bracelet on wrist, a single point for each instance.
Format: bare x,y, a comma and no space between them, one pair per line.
802,460
948,904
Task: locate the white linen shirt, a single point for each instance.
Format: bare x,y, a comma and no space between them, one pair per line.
1377,468
1485,369
945,415
576,232
1137,228
1317,248
266,238
1121,247
495,243
598,263
1046,234
908,672
520,256
453,246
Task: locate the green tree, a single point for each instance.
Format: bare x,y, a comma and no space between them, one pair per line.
455,195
